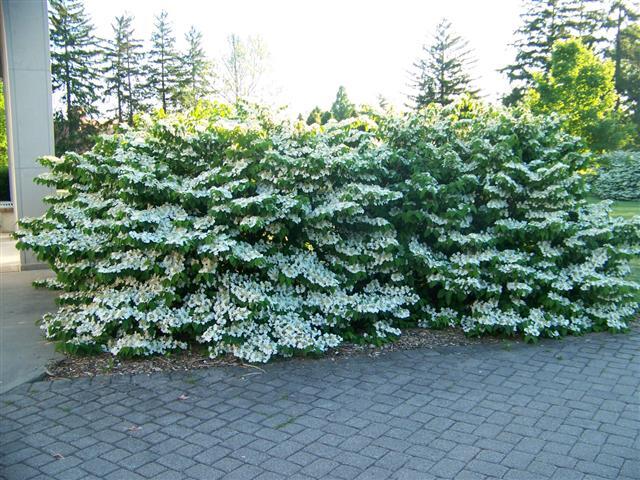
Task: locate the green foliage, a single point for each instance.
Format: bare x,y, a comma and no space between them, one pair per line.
258,238
342,108
579,86
627,75
75,134
619,176
74,57
497,232
163,66
315,116
124,69
544,23
195,71
442,75
5,192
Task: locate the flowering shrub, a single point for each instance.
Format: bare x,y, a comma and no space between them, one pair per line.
619,177
240,234
499,237
256,238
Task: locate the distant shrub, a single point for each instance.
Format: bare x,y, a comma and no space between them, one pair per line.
619,176
4,183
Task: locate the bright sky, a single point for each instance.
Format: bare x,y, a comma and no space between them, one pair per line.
316,46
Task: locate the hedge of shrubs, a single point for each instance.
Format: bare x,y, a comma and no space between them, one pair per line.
259,238
619,176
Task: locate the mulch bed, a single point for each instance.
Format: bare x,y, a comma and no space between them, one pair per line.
75,366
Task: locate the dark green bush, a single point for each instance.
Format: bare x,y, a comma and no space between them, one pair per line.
619,176
4,184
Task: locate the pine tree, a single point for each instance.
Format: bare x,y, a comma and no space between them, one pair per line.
442,75
195,70
621,15
544,23
74,59
123,69
586,20
163,76
342,107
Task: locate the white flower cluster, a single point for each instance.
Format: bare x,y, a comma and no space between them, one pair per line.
257,239
271,245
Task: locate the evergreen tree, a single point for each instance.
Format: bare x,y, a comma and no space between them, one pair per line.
623,14
342,107
544,23
586,19
315,117
195,69
163,76
123,69
442,75
74,58
628,80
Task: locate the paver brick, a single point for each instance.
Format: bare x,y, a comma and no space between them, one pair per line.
560,410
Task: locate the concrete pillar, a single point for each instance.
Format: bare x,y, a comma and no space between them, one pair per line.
27,86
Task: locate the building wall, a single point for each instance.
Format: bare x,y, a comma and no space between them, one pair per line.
27,77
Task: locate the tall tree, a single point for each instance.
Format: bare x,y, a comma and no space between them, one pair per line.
244,66
627,75
586,20
544,22
74,58
342,107
196,70
442,75
163,77
580,87
123,68
623,14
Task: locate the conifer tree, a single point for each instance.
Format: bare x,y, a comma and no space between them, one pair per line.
74,58
545,22
123,69
622,15
442,75
195,70
342,107
163,78
586,20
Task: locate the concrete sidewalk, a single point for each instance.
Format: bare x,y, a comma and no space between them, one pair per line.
23,351
9,255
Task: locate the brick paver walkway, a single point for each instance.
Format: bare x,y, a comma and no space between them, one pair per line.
568,410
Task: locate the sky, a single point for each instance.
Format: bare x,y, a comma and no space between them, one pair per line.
315,46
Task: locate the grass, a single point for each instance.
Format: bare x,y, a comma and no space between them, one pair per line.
628,210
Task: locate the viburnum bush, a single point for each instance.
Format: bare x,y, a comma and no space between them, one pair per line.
499,237
233,231
259,238
619,176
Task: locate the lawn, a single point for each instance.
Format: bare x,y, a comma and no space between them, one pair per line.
628,210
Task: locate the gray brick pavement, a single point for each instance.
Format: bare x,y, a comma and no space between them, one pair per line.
567,409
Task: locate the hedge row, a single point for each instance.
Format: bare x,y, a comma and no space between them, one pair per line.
260,238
